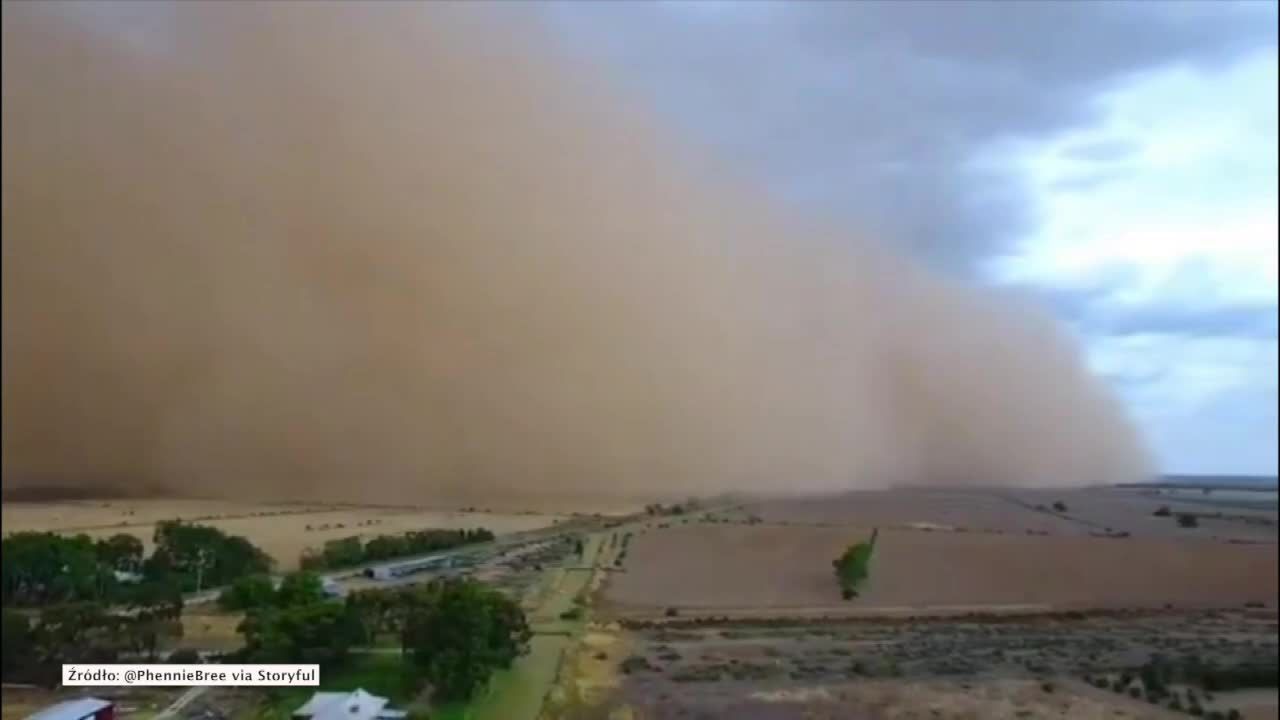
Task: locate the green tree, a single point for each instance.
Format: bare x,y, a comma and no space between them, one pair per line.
156,607
317,632
76,632
19,645
379,610
247,593
42,568
384,547
201,557
300,588
460,631
121,552
343,552
853,566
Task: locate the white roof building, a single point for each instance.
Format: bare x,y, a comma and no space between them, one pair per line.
78,709
355,705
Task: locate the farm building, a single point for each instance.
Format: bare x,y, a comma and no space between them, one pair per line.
355,705
393,570
87,708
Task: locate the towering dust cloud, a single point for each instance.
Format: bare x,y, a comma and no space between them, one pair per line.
403,252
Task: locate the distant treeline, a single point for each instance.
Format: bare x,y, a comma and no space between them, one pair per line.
44,568
1213,482
350,551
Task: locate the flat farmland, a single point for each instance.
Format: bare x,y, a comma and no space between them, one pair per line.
960,508
789,567
1087,511
282,530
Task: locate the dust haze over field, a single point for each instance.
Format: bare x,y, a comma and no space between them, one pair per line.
404,251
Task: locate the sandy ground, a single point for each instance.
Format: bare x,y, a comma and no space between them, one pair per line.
283,530
733,566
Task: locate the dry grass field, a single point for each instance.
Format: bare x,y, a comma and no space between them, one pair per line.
283,530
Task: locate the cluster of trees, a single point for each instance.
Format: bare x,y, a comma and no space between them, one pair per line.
346,552
197,557
74,599
36,644
455,633
854,565
42,568
254,592
294,623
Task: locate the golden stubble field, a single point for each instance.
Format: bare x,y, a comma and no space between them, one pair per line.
283,530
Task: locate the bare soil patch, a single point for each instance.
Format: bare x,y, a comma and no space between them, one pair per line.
736,566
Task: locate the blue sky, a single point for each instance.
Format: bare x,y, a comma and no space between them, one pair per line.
1113,162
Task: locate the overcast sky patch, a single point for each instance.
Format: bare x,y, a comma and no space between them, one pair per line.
1116,159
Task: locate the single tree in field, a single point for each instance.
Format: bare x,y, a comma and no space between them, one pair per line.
853,566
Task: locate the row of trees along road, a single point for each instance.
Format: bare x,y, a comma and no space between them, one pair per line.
345,552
